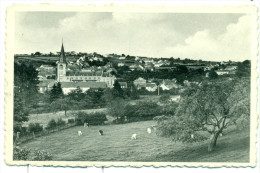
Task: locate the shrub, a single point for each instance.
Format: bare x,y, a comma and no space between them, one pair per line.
96,118
52,124
60,122
41,155
142,111
35,127
165,98
21,154
26,154
71,121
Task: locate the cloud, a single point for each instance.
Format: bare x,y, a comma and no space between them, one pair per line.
144,34
233,44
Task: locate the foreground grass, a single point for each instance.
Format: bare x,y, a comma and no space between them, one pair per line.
116,145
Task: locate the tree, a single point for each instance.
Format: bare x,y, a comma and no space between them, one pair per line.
211,108
25,92
243,69
26,82
76,94
37,53
56,92
213,74
117,90
63,104
116,108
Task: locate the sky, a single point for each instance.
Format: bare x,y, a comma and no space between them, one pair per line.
205,36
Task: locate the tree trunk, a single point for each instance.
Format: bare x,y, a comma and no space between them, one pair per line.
213,141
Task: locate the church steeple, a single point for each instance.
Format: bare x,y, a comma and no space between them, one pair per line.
62,54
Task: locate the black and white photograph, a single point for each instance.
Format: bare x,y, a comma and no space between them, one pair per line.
144,87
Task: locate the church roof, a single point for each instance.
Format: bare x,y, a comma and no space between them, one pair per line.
62,55
90,84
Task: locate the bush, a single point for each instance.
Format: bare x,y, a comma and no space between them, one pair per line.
52,124
26,154
20,154
35,127
71,121
96,118
142,111
41,155
60,122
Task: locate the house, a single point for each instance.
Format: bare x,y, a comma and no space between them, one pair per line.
168,84
123,84
67,87
231,68
151,87
46,85
175,98
140,82
222,72
122,57
120,64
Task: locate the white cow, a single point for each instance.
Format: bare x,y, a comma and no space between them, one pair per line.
133,136
149,130
79,133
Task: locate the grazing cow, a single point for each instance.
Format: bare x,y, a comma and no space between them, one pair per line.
149,130
101,132
133,136
192,136
79,133
85,124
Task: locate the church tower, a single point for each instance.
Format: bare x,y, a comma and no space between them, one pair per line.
61,66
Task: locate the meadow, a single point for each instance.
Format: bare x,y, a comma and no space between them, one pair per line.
116,145
44,118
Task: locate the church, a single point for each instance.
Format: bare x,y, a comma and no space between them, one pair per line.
70,80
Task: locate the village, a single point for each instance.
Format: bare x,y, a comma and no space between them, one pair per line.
93,71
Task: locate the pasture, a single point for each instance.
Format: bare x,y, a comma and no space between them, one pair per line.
116,145
44,118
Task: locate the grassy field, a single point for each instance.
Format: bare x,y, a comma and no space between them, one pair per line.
44,118
116,145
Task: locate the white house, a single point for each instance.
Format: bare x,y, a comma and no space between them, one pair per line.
222,72
151,87
67,87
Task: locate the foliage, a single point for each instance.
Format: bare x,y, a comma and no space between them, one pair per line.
71,121
26,82
21,114
76,94
165,98
25,92
117,91
20,154
35,127
211,108
63,104
51,124
96,118
42,156
213,74
141,111
56,92
26,154
243,69
116,107
60,122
